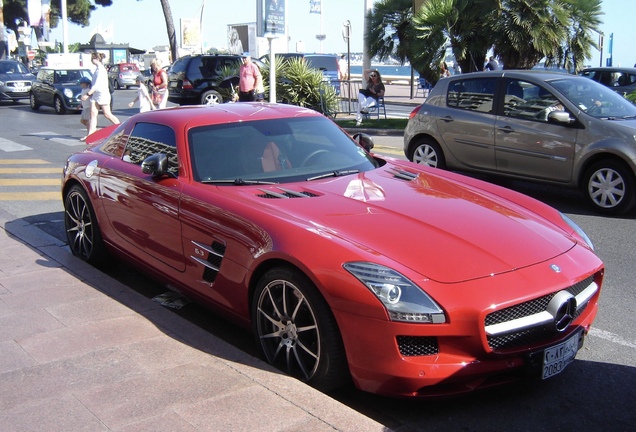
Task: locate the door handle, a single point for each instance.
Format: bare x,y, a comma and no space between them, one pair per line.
447,119
506,129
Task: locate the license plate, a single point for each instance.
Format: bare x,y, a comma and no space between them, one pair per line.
556,358
21,89
173,84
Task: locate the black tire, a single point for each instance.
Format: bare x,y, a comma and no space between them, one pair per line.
426,151
296,331
211,97
33,103
58,105
610,187
82,229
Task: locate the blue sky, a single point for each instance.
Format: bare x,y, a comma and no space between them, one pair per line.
141,24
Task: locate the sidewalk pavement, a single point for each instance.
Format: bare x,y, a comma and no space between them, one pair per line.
83,352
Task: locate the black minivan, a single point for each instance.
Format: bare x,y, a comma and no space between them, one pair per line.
196,80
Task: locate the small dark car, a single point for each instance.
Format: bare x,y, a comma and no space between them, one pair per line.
123,75
196,80
620,79
58,88
15,80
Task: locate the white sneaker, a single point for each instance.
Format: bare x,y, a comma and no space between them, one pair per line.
358,123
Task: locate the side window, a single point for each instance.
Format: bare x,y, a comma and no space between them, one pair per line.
472,94
528,101
147,139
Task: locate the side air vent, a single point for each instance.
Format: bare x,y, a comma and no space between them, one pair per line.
403,175
210,257
283,193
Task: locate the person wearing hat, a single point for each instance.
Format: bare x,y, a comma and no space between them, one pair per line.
145,101
85,83
250,79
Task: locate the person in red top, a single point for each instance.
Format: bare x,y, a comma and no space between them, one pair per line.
159,84
250,79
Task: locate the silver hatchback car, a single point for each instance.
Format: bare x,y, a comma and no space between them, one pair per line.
534,125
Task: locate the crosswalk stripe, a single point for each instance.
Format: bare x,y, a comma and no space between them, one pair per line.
11,146
31,171
29,196
30,182
24,162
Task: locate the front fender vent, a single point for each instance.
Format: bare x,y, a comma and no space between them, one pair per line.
403,174
212,262
283,193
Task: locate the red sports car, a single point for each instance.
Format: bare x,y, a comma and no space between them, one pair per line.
409,280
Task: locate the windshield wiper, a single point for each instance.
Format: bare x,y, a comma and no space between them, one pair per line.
238,182
334,174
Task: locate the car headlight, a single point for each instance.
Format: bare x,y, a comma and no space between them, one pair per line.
68,93
403,300
577,229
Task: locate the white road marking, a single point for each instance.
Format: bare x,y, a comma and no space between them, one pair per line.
611,337
11,146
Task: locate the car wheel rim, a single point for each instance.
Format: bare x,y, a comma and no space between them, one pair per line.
79,226
606,188
211,100
425,154
288,330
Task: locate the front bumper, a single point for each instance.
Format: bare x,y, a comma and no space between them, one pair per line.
459,356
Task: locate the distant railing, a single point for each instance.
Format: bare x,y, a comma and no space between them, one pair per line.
347,98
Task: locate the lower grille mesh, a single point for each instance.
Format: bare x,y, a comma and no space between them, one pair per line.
417,345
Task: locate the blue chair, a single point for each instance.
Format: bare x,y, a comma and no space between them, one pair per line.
424,86
376,110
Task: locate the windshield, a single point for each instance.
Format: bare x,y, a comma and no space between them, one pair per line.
594,99
278,150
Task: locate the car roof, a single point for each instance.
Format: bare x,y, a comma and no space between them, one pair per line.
541,74
204,115
55,68
611,68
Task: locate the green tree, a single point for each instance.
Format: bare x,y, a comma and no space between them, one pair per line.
525,31
390,29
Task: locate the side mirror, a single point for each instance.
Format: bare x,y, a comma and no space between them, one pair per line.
365,141
156,165
562,117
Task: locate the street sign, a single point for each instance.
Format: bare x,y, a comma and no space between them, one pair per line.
30,54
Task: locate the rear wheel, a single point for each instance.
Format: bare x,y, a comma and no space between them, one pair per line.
296,330
211,97
609,186
82,229
58,104
427,152
33,103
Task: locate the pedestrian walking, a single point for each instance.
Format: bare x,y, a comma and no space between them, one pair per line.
250,79
143,96
85,83
99,93
159,84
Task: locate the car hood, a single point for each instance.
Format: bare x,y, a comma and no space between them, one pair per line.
17,77
443,229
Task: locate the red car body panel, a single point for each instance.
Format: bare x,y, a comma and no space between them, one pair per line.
474,248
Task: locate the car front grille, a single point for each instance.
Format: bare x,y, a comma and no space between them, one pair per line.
531,335
411,346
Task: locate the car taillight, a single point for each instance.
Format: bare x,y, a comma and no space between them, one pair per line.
414,112
187,85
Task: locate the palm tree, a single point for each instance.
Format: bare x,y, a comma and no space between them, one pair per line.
388,29
463,25
172,35
525,31
584,20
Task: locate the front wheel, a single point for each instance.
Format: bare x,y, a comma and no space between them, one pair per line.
82,229
33,102
296,331
211,97
58,104
609,186
427,152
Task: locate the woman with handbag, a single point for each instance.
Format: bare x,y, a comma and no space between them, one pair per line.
368,97
99,94
159,85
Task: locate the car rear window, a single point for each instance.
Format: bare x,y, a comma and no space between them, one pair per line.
322,62
472,94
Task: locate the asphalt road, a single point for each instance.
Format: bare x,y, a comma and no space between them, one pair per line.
596,392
